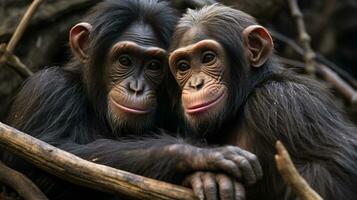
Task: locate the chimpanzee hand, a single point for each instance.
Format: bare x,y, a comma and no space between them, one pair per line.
212,186
230,159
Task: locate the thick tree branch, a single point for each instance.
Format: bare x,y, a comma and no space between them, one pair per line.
291,176
74,169
20,183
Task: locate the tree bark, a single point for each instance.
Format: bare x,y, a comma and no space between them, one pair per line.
76,170
20,183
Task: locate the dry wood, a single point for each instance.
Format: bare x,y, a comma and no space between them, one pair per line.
7,56
14,62
305,39
291,176
320,59
20,183
22,26
74,169
338,83
311,66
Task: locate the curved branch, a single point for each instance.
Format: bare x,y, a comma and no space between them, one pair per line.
291,176
22,26
305,39
76,170
20,183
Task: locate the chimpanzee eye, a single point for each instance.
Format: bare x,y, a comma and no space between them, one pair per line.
154,65
125,61
208,57
183,65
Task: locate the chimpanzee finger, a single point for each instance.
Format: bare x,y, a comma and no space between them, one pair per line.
253,160
210,186
246,168
226,187
230,167
239,191
195,182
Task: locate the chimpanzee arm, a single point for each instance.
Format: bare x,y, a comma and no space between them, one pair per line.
148,156
52,107
322,144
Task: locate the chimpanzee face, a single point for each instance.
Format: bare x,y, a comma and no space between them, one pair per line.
201,67
136,65
134,69
201,70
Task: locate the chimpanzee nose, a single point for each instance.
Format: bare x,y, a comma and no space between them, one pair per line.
196,83
136,86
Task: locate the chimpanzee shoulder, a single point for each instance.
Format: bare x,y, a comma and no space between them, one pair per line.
52,105
299,111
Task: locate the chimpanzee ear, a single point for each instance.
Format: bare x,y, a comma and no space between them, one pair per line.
258,44
78,40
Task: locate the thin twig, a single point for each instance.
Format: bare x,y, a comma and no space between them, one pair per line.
20,183
305,39
291,62
79,171
311,66
290,42
339,84
7,56
14,62
291,176
319,58
22,26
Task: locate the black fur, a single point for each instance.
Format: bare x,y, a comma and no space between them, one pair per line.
269,104
67,107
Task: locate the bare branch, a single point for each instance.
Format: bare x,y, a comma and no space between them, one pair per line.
76,170
339,84
305,39
6,56
20,183
319,58
311,66
14,62
291,176
22,26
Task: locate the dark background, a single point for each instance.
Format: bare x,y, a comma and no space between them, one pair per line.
332,25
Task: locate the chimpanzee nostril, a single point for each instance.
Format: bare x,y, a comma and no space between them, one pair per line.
196,83
136,86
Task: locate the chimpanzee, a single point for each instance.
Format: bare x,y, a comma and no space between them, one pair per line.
231,90
103,105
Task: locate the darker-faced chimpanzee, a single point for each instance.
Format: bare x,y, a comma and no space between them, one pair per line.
232,91
102,106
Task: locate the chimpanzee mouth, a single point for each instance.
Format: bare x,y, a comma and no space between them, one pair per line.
202,107
134,110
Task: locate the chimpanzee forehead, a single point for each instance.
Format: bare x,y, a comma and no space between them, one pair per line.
141,34
192,36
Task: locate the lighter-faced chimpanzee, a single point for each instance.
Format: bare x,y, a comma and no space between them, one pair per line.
231,90
102,106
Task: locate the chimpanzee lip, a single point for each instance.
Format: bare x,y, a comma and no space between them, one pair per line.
205,106
130,109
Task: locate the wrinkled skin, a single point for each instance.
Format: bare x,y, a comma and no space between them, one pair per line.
231,90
